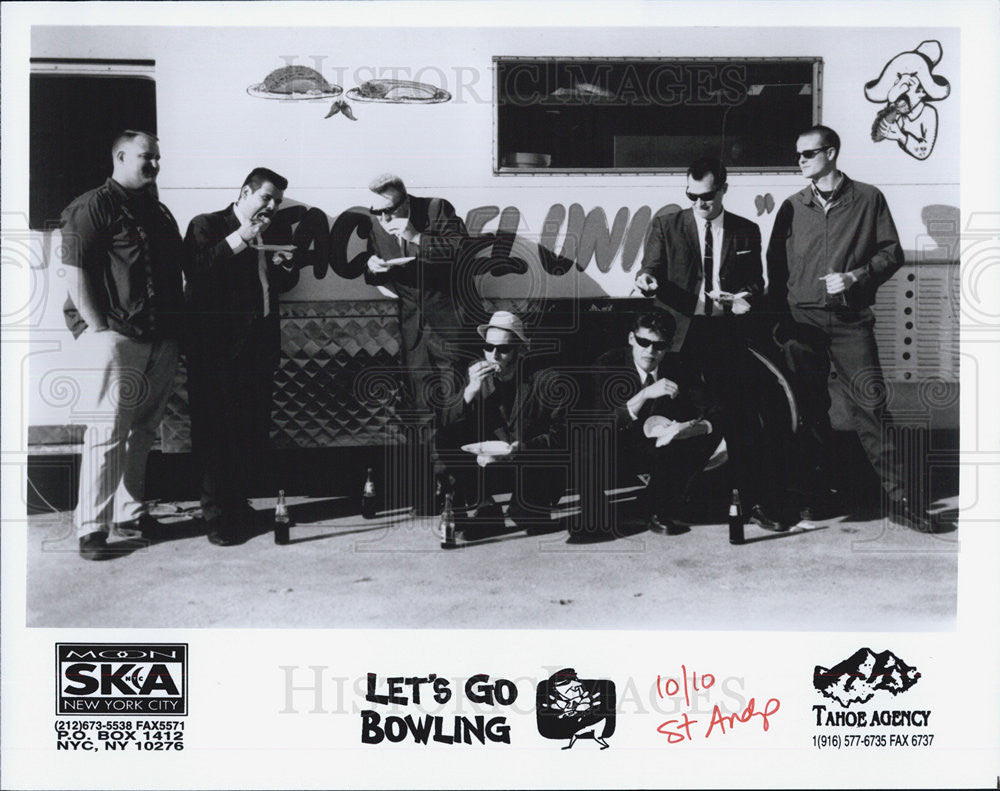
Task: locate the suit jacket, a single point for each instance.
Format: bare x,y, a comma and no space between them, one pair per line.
426,286
222,289
616,380
673,256
535,420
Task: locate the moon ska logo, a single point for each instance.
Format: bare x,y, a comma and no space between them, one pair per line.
118,678
568,707
907,85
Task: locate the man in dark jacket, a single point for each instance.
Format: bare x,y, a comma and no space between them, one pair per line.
522,413
233,342
414,248
644,381
122,259
705,263
833,244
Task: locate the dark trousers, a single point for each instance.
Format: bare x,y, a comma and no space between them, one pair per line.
847,341
716,346
534,486
435,378
230,403
671,468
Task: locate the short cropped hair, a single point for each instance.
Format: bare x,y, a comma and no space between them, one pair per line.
127,136
705,165
656,321
259,176
385,182
827,136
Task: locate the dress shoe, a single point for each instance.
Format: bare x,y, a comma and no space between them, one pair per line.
145,526
913,518
759,517
665,526
222,534
94,546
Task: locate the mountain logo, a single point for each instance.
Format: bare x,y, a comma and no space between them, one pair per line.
568,707
857,678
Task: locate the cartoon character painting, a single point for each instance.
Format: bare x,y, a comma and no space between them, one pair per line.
577,708
907,86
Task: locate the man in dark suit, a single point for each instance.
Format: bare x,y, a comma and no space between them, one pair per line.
705,263
642,381
414,249
233,343
501,402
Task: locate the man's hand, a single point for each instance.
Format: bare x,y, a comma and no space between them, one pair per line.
254,227
661,388
646,283
480,379
839,282
377,265
891,130
282,257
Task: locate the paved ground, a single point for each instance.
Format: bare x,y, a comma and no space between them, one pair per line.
852,572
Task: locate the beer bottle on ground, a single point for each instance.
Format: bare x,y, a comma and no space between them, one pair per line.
282,522
735,520
446,530
368,504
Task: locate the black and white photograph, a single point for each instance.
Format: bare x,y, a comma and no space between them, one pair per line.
494,379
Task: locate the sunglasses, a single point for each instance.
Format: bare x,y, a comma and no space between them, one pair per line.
809,153
499,348
645,343
707,197
388,210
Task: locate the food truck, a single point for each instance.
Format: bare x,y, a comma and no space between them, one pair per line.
557,148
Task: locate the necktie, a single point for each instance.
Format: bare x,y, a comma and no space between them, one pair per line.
649,380
262,275
709,266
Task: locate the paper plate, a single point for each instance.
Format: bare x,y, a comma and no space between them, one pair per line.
274,248
259,92
493,447
398,92
656,425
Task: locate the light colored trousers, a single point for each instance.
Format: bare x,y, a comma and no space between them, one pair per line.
124,412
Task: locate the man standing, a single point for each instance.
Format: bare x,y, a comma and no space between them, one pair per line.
833,244
124,260
705,262
500,402
414,248
643,381
233,344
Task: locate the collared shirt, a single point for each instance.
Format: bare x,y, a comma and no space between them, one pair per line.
128,245
827,203
716,284
241,245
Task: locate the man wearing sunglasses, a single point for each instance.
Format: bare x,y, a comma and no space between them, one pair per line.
833,244
502,402
705,262
637,383
413,248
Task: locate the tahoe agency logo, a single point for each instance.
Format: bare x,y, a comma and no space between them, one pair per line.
146,679
568,707
857,678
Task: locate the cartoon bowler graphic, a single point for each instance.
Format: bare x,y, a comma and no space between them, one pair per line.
906,85
567,707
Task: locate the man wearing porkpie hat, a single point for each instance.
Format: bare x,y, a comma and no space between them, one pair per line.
502,402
